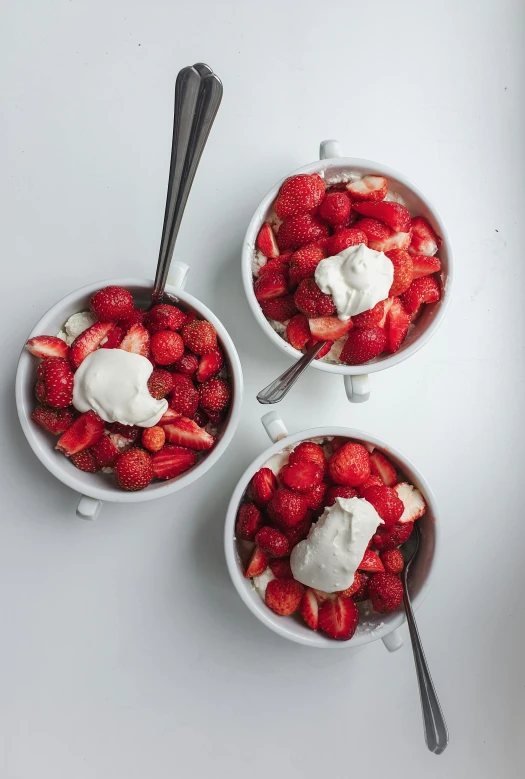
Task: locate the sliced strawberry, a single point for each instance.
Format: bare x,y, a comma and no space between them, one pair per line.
85,431
279,309
382,467
105,452
270,286
344,239
54,420
392,241
310,609
403,271
299,194
114,338
137,340
392,214
324,351
363,345
371,317
373,229
335,207
186,432
257,565
397,324
276,265
171,461
368,188
424,239
301,476
422,265
263,485
414,505
283,596
88,341
339,618
362,592
272,542
298,230
266,242
425,290
249,521
170,415
280,567
387,305
47,346
209,365
371,563
298,331
329,328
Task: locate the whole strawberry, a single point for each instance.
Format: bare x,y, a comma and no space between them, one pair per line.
300,229
199,336
272,542
165,317
86,461
55,421
166,347
55,382
386,502
299,194
112,303
386,592
160,383
363,344
349,465
283,596
214,394
311,301
184,396
153,438
287,508
134,470
335,207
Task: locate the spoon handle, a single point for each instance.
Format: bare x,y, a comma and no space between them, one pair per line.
436,733
276,391
198,94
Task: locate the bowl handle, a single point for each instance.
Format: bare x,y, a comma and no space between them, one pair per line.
178,274
88,508
274,426
329,149
393,641
357,388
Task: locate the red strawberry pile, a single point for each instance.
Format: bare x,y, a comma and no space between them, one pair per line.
188,369
278,512
315,222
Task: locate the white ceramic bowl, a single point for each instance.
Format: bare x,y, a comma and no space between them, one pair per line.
98,487
374,626
331,163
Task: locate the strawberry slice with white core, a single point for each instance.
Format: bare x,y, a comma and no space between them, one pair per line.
170,415
170,461
266,242
397,324
412,500
424,239
186,432
88,341
310,609
371,563
387,306
85,431
328,328
339,618
44,346
392,214
423,265
257,565
382,467
136,340
392,241
270,285
368,188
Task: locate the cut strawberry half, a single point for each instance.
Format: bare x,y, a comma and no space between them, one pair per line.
425,290
422,265
263,485
270,285
283,596
424,239
85,431
412,500
47,346
266,242
329,328
171,461
276,265
371,563
113,339
339,618
368,188
105,452
170,415
88,341
249,521
298,331
137,340
397,324
209,365
382,467
392,241
392,214
373,229
54,420
301,476
257,565
186,432
310,609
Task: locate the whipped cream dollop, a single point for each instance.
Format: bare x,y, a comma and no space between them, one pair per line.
114,383
328,559
357,279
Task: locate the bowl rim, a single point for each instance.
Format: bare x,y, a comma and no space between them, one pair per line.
373,167
390,621
112,493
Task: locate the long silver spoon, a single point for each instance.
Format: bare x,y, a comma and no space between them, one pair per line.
276,391
435,727
198,93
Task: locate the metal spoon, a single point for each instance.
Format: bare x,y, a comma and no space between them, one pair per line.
198,93
436,733
276,391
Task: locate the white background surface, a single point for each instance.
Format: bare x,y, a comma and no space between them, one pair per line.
125,651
